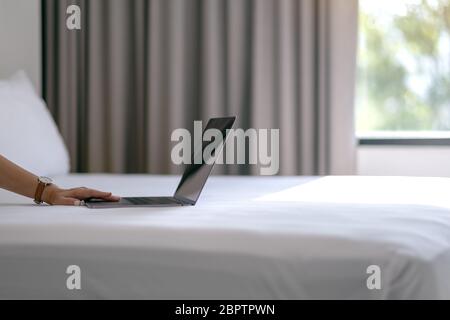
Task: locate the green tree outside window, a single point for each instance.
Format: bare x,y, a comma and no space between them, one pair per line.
403,66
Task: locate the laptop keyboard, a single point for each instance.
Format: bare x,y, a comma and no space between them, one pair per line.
152,200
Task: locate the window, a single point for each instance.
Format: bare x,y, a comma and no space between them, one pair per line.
403,81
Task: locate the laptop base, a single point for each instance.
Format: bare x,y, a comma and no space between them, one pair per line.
136,202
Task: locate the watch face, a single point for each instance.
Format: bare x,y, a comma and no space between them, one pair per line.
45,180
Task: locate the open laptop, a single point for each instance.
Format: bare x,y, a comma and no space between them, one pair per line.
192,181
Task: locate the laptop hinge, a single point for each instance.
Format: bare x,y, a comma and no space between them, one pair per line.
184,200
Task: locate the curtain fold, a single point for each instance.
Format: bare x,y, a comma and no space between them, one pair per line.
139,69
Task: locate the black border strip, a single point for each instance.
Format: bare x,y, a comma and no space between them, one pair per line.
404,141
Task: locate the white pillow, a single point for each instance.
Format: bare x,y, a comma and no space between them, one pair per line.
28,135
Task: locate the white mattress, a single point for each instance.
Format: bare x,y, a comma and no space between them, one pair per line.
247,238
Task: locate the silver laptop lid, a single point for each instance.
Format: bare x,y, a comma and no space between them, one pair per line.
195,175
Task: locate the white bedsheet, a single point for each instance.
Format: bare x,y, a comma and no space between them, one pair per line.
247,238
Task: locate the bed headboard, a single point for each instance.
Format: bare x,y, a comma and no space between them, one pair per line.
20,39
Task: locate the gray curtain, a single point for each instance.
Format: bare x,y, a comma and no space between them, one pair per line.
140,68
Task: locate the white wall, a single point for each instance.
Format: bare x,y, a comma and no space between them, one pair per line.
20,38
404,161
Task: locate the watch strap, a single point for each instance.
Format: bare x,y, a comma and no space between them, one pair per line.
39,191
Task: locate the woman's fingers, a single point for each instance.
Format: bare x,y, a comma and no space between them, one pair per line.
111,198
67,201
84,193
74,197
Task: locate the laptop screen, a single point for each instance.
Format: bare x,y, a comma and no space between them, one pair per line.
195,175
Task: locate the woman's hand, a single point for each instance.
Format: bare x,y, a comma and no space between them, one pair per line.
73,197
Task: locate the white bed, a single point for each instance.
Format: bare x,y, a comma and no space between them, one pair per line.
247,238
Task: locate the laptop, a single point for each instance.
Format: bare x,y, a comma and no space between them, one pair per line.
192,181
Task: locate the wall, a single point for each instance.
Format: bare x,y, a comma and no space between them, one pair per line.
20,38
404,160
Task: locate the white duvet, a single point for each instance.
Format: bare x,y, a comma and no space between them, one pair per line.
247,238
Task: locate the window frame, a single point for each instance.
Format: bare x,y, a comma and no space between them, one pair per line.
404,138
432,142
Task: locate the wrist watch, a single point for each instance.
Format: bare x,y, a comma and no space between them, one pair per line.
42,183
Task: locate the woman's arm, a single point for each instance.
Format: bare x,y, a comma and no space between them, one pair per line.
16,179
